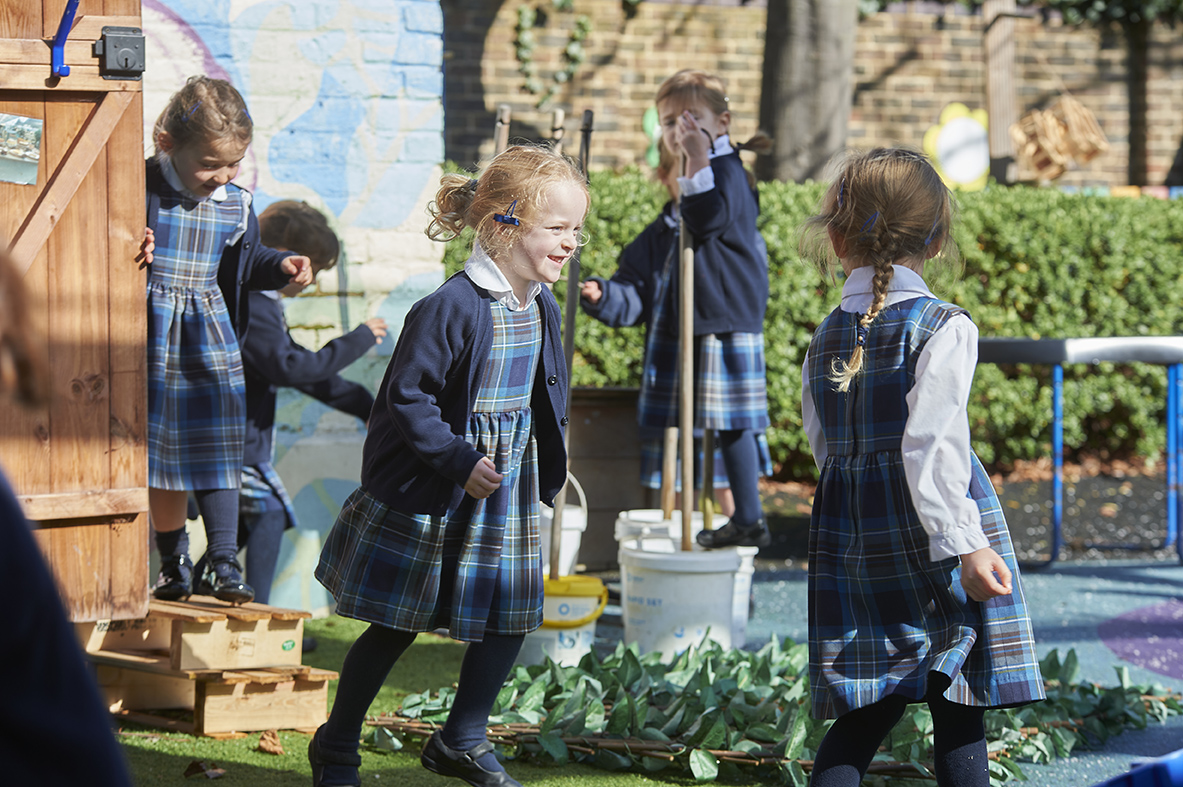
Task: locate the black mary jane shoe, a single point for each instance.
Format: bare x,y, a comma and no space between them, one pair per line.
438,758
734,535
222,579
175,580
318,758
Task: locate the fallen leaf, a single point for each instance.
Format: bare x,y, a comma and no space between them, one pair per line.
207,769
269,743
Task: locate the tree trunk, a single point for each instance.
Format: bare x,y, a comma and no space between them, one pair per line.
807,86
1138,39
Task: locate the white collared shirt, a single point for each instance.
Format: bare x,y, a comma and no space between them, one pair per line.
936,444
485,273
704,179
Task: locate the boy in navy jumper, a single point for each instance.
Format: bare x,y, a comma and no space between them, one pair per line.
271,359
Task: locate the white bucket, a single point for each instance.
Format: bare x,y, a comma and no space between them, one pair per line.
570,608
574,525
644,529
670,601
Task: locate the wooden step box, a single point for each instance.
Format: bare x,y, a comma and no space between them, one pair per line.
205,634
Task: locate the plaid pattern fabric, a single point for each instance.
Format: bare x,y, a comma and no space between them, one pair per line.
883,616
652,447
263,490
196,388
479,568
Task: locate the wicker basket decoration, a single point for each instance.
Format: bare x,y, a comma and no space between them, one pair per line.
1047,140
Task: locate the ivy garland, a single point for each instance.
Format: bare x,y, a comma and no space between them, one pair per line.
727,714
525,45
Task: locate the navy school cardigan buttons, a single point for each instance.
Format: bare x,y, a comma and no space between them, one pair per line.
563,421
552,380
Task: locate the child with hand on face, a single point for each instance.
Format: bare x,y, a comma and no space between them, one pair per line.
465,439
205,253
719,208
271,358
914,592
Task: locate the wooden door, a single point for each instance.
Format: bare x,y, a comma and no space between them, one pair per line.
79,464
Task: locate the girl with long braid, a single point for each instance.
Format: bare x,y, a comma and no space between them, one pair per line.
914,592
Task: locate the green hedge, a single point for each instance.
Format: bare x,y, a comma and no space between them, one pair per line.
1038,264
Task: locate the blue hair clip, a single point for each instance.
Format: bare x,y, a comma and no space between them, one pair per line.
507,217
860,335
185,117
870,222
933,231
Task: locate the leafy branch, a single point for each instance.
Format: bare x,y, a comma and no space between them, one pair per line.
715,713
525,46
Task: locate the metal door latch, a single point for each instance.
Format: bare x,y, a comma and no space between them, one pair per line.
122,53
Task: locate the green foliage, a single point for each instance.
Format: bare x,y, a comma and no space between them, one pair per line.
718,713
1038,264
525,44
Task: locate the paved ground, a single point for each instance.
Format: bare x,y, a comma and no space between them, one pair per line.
1112,606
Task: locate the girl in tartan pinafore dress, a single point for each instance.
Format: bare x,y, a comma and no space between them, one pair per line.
206,254
719,208
465,439
914,591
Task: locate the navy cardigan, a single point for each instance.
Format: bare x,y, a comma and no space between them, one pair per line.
416,459
271,358
730,261
247,265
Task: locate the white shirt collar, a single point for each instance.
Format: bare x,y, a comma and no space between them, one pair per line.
485,274
905,284
173,179
721,146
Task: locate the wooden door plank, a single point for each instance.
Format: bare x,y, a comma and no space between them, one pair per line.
128,316
122,8
24,433
52,14
80,155
86,503
90,26
78,308
20,20
38,52
79,558
82,78
129,569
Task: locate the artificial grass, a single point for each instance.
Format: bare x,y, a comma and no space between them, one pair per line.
160,758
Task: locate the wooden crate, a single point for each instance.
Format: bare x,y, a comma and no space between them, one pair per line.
223,703
204,634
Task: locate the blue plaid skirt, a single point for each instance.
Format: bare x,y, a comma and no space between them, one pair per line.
196,387
883,616
478,568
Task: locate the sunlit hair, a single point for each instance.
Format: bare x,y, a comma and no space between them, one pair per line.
299,227
891,207
22,367
691,88
521,176
206,111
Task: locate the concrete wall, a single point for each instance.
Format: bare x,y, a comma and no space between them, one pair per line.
347,100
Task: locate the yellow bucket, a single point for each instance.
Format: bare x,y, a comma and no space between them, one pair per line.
570,608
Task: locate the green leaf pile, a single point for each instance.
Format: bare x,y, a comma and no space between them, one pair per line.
726,714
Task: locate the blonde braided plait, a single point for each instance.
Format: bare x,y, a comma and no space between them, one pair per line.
842,372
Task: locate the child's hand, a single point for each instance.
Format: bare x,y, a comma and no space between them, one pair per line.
147,246
377,327
978,570
691,139
590,290
483,480
299,268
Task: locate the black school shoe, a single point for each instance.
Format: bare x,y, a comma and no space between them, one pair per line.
318,758
733,535
175,580
222,579
438,758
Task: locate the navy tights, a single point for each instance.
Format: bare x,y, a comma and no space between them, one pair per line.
959,743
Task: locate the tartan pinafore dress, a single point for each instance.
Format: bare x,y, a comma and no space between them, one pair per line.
882,615
478,568
196,388
729,387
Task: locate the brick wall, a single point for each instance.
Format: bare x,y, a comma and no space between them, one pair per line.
910,64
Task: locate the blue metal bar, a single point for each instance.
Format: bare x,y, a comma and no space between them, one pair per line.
58,51
1172,454
1058,461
